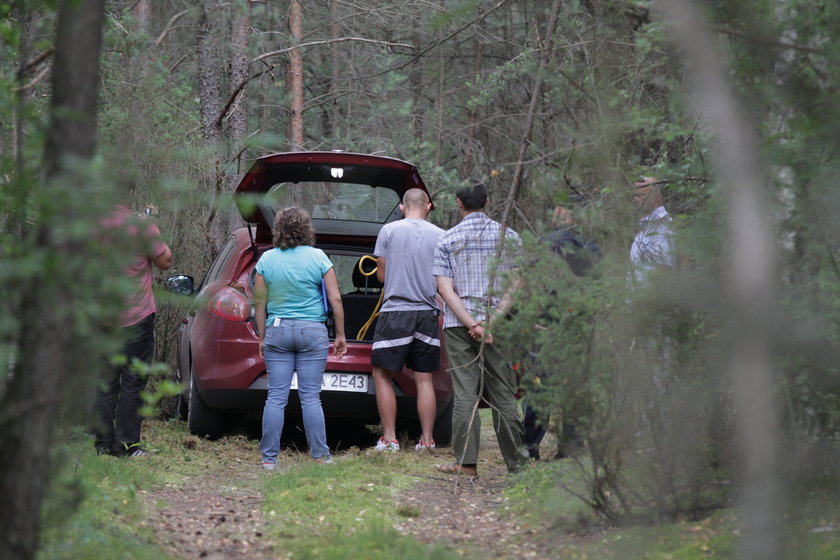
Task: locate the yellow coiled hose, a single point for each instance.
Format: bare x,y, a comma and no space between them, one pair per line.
363,331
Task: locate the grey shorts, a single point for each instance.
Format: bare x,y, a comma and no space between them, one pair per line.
407,338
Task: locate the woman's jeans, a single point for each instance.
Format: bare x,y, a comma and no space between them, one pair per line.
294,346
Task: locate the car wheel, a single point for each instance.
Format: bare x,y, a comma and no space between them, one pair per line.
443,425
201,419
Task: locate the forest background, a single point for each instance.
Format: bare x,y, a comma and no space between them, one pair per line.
725,371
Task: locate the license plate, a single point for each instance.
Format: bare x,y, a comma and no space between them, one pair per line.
352,382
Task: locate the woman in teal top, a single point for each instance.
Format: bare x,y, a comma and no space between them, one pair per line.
290,318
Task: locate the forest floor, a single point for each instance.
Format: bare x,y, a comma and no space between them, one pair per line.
220,515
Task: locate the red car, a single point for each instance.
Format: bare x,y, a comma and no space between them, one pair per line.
349,196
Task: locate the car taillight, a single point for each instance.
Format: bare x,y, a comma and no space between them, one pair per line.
230,304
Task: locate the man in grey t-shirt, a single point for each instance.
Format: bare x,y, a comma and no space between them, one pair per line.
407,331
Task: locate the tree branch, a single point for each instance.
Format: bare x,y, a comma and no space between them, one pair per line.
327,42
26,68
34,80
236,92
168,27
439,42
532,108
765,40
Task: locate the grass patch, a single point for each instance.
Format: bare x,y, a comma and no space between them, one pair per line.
540,501
538,497
372,543
92,505
346,510
350,509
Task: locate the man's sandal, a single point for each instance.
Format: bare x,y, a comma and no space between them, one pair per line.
455,468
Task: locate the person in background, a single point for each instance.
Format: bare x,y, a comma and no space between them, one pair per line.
580,256
117,405
407,330
652,247
651,253
290,318
465,264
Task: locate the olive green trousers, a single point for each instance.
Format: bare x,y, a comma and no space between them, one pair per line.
489,378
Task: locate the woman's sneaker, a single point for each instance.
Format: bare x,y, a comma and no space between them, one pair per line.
383,445
424,446
269,466
325,460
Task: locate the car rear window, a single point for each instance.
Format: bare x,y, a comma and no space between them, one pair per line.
343,264
337,201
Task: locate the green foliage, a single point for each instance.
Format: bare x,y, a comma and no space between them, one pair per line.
611,107
93,505
374,542
345,510
454,12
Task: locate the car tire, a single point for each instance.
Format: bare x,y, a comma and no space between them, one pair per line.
201,419
443,425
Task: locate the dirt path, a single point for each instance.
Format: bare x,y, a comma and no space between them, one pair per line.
206,517
468,513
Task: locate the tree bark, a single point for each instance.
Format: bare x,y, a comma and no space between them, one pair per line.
239,35
209,73
296,77
469,158
31,404
208,40
332,130
16,224
142,12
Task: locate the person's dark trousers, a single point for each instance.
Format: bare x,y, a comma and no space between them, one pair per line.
116,411
534,425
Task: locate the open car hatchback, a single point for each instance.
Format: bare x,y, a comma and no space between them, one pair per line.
349,196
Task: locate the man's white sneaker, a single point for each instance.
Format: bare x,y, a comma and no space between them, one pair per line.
383,445
424,446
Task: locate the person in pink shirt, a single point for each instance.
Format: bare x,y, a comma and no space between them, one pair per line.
118,400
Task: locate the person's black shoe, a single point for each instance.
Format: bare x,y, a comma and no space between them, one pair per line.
135,450
103,450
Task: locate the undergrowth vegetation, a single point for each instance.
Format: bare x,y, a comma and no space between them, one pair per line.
352,509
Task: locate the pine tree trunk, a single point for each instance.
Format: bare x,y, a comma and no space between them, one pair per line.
209,73
142,12
296,77
332,130
210,67
239,34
